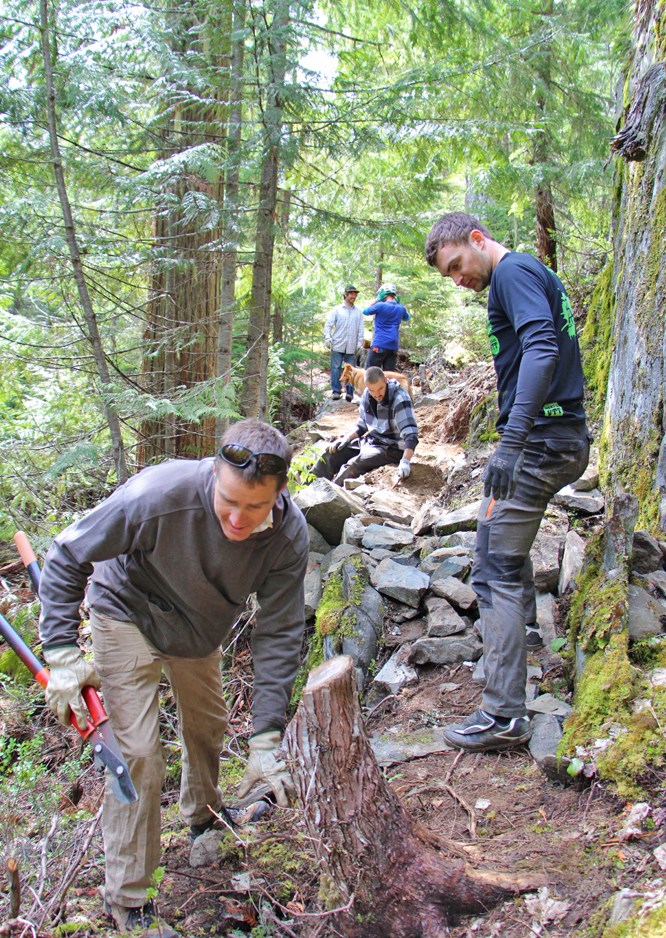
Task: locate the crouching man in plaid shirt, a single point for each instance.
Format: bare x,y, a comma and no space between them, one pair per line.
386,433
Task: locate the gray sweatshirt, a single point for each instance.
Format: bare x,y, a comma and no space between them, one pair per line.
162,561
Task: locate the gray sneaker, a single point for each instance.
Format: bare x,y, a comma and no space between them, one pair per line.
482,731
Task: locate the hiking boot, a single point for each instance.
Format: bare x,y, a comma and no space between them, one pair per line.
482,731
141,921
336,395
349,397
533,638
235,817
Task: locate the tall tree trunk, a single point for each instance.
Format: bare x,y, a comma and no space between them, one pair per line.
546,241
92,328
260,300
387,879
634,299
182,332
232,228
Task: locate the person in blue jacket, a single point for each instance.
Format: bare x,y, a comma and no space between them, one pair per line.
544,445
389,313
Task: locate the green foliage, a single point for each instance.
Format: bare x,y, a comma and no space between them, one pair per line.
300,471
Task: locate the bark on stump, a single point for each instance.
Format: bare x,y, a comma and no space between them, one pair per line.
369,851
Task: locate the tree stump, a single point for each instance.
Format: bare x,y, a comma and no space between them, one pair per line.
394,884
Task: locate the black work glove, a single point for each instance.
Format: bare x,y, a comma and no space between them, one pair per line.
502,470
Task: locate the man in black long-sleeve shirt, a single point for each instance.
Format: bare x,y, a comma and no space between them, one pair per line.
544,446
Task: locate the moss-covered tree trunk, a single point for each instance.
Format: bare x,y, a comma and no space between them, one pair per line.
633,449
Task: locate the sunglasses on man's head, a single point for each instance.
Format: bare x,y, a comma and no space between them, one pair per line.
240,456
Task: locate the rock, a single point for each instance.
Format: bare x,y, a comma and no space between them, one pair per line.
546,736
646,614
326,507
458,594
572,561
547,616
407,584
352,531
206,849
318,543
425,518
378,535
587,503
466,539
402,747
659,853
632,828
401,633
435,397
657,677
442,618
546,555
332,562
396,673
464,519
458,566
312,584
655,582
548,703
646,555
588,481
432,561
624,903
397,505
450,650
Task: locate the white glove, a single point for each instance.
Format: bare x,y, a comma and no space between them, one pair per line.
69,673
336,445
264,766
404,468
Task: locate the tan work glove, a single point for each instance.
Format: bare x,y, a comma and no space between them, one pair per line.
69,673
263,765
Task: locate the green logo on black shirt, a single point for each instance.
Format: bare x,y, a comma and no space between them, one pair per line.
553,410
494,341
568,317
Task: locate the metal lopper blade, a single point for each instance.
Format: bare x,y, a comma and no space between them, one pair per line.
107,756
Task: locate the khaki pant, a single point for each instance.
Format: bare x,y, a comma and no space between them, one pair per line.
130,669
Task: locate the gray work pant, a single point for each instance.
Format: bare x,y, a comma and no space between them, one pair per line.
130,669
359,456
502,574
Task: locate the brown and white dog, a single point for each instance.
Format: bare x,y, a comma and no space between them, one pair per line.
356,376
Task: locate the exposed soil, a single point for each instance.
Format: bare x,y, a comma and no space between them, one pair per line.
497,811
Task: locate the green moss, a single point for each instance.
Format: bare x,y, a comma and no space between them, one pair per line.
331,607
282,863
640,751
628,458
598,608
603,696
482,421
597,337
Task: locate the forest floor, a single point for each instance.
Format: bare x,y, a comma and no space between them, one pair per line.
497,811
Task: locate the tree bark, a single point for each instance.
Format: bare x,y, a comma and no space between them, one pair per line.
232,229
634,433
546,241
262,270
182,333
92,327
387,880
